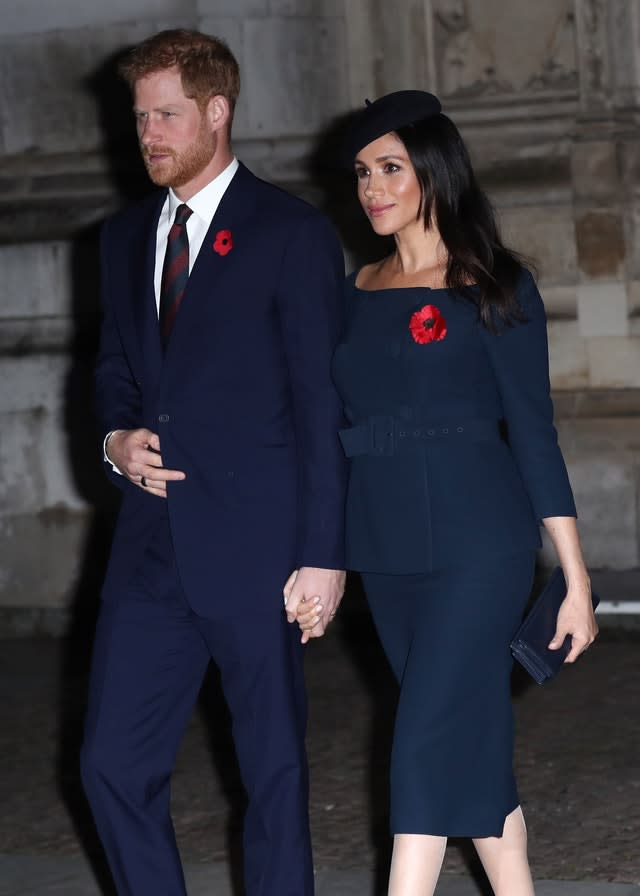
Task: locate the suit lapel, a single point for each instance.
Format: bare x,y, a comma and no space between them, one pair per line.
212,264
146,313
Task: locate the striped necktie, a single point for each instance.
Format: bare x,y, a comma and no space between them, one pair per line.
175,272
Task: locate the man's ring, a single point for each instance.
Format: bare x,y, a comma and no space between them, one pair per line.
143,482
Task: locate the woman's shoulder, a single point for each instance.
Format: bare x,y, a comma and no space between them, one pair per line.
359,278
350,280
527,294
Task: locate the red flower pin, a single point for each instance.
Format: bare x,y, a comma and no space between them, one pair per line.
428,325
223,243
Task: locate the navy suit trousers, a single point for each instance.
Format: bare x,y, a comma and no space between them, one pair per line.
151,653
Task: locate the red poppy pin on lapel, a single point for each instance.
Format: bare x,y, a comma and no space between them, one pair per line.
223,243
428,325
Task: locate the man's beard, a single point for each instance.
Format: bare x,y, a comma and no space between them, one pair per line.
183,167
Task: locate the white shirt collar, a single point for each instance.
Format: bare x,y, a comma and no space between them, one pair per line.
205,202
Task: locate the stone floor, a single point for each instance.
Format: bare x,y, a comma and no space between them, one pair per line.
577,761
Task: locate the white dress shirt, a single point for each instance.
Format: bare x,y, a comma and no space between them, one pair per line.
204,205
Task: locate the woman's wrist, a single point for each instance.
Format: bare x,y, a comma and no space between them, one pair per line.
578,581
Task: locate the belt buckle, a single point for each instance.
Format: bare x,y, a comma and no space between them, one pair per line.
382,433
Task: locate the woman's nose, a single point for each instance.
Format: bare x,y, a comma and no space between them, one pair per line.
372,187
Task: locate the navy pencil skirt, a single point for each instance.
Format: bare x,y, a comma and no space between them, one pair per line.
446,635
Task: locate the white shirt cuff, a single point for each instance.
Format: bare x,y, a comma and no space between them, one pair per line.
104,453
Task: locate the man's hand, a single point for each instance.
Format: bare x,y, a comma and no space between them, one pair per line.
136,453
312,596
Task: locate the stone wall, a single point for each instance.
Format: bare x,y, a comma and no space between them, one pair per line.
548,97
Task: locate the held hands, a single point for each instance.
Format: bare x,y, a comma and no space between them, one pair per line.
136,454
576,618
311,598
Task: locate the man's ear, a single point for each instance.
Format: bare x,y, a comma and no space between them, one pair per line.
218,112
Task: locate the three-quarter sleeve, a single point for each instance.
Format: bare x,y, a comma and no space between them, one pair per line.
520,360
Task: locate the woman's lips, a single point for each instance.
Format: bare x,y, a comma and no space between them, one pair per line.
376,210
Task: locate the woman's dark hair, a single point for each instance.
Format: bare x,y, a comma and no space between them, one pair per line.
465,218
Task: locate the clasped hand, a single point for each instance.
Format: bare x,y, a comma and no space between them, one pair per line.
136,454
311,598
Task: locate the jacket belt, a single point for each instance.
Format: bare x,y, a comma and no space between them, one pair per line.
385,436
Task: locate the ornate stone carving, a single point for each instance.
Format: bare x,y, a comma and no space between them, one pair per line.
467,66
559,71
593,14
474,59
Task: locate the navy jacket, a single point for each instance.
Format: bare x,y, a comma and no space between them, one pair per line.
453,451
242,400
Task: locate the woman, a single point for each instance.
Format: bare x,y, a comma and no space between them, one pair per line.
454,463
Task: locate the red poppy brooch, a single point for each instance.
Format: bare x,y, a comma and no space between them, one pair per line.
428,325
223,243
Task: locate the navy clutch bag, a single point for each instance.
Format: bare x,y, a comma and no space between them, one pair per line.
529,645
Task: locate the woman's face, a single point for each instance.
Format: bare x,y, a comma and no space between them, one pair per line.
388,188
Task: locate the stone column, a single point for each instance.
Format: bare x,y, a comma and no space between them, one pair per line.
600,429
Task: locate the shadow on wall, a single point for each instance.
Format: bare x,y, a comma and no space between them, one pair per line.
127,174
335,179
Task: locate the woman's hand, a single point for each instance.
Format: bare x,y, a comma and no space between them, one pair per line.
308,616
576,618
311,598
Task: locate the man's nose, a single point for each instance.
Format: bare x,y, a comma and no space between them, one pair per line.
148,132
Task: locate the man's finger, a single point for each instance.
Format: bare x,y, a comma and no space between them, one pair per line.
288,585
162,475
154,441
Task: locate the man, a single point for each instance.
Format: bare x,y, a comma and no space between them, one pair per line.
221,309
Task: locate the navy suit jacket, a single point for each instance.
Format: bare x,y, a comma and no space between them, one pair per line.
454,455
242,399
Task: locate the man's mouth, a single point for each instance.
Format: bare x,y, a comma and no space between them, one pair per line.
153,157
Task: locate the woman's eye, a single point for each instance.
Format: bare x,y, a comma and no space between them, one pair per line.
361,173
390,168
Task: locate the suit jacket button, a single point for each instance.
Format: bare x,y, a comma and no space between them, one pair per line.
445,432
163,418
430,432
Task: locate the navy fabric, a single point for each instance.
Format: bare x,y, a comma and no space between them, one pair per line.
243,402
461,496
384,115
444,526
447,636
242,399
151,652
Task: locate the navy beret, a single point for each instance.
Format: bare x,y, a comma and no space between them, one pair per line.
390,112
